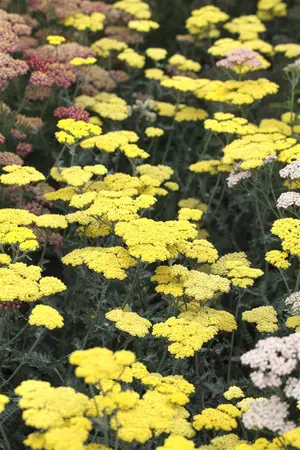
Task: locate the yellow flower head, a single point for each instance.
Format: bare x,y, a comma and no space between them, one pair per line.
97,364
265,318
156,53
78,61
278,259
132,58
3,401
143,26
20,175
111,262
130,322
233,392
55,40
43,315
154,132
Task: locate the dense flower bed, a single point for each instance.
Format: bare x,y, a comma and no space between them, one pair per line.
149,225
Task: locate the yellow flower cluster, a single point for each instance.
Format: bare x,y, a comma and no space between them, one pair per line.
236,267
156,53
54,413
111,262
178,281
191,330
107,105
130,322
143,26
175,442
247,27
104,46
234,392
73,130
189,214
289,50
186,113
97,365
20,175
82,22
289,438
153,414
132,58
265,318
43,315
136,8
110,141
55,39
3,401
155,241
154,132
224,45
229,123
26,284
83,61
76,175
203,19
234,92
184,64
221,418
293,322
110,210
288,230
268,9
278,259
180,83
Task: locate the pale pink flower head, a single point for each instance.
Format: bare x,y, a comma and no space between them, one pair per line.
291,171
9,158
288,199
241,57
236,178
41,79
292,303
272,359
10,68
71,112
269,414
23,149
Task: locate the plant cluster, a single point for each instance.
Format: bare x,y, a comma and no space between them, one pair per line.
149,225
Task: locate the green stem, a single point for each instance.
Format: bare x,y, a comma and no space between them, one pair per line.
92,323
15,337
297,285
37,341
232,338
5,438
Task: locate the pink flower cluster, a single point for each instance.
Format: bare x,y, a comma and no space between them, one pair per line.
11,27
66,53
37,93
235,177
238,57
10,68
32,124
291,171
268,413
292,302
71,112
288,199
272,359
9,158
2,138
292,388
59,74
23,149
65,9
